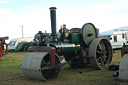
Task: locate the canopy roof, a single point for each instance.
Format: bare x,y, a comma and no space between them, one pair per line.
110,32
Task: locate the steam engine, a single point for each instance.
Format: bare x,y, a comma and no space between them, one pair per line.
79,46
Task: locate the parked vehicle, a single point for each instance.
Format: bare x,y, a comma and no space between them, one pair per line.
17,43
118,37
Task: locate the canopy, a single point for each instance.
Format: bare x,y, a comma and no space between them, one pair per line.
110,32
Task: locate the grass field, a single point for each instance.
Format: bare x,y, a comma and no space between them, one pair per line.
10,74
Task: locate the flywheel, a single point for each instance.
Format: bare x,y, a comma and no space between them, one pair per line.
100,53
89,33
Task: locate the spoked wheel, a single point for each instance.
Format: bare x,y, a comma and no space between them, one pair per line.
100,53
52,73
36,65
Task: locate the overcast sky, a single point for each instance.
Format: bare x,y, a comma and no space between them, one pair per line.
34,15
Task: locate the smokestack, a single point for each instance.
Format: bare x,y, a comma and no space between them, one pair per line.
53,22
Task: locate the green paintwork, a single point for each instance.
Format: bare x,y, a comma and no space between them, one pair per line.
75,38
48,35
68,48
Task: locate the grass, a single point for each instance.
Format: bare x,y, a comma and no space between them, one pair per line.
10,74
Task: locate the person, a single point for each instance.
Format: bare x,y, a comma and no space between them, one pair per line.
60,34
63,27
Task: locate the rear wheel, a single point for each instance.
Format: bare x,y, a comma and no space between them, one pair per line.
100,53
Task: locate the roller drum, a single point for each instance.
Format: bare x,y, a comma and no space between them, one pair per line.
32,66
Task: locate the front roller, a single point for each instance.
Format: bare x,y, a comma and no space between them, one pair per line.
37,65
100,53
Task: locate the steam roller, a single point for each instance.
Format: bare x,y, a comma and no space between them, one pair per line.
79,46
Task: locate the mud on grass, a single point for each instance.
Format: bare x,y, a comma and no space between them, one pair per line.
10,74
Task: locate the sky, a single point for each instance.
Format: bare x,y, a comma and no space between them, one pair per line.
34,15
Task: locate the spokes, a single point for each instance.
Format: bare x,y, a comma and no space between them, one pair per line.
100,48
100,51
45,63
48,71
102,61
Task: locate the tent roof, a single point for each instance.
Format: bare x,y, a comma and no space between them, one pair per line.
110,32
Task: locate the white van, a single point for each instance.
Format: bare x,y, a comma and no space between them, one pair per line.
118,36
14,42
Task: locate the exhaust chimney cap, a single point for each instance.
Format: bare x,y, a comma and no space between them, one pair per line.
52,8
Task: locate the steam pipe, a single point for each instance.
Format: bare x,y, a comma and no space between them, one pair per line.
53,23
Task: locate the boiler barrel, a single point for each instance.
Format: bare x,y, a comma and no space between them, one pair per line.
68,48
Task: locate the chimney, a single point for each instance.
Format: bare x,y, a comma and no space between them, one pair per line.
53,23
